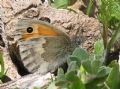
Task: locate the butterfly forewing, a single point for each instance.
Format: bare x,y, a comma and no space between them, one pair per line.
42,47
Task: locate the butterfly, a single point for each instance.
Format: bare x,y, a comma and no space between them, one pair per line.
39,46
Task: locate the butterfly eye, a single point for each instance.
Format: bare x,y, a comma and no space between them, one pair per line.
29,29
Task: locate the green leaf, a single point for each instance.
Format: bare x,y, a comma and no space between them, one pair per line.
52,86
95,64
60,4
80,53
63,4
72,66
113,80
97,83
71,2
103,71
72,58
82,70
98,48
60,78
83,75
75,81
114,7
87,66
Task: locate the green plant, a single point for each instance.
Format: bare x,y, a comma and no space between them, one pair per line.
61,3
88,72
2,68
64,4
36,88
109,16
89,9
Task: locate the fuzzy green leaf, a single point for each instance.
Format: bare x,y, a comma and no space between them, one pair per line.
60,78
72,66
103,71
98,48
113,80
95,64
87,66
75,81
81,54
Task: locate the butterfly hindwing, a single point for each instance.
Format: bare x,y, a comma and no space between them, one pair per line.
42,47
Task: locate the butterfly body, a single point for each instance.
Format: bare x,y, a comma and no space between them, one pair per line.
42,47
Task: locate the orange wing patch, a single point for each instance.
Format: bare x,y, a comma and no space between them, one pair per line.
46,31
38,31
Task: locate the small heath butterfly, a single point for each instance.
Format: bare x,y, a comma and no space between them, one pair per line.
40,47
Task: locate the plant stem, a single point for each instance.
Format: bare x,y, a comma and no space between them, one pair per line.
2,66
110,44
89,7
113,39
105,36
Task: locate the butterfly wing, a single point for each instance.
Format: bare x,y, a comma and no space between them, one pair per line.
42,48
16,59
